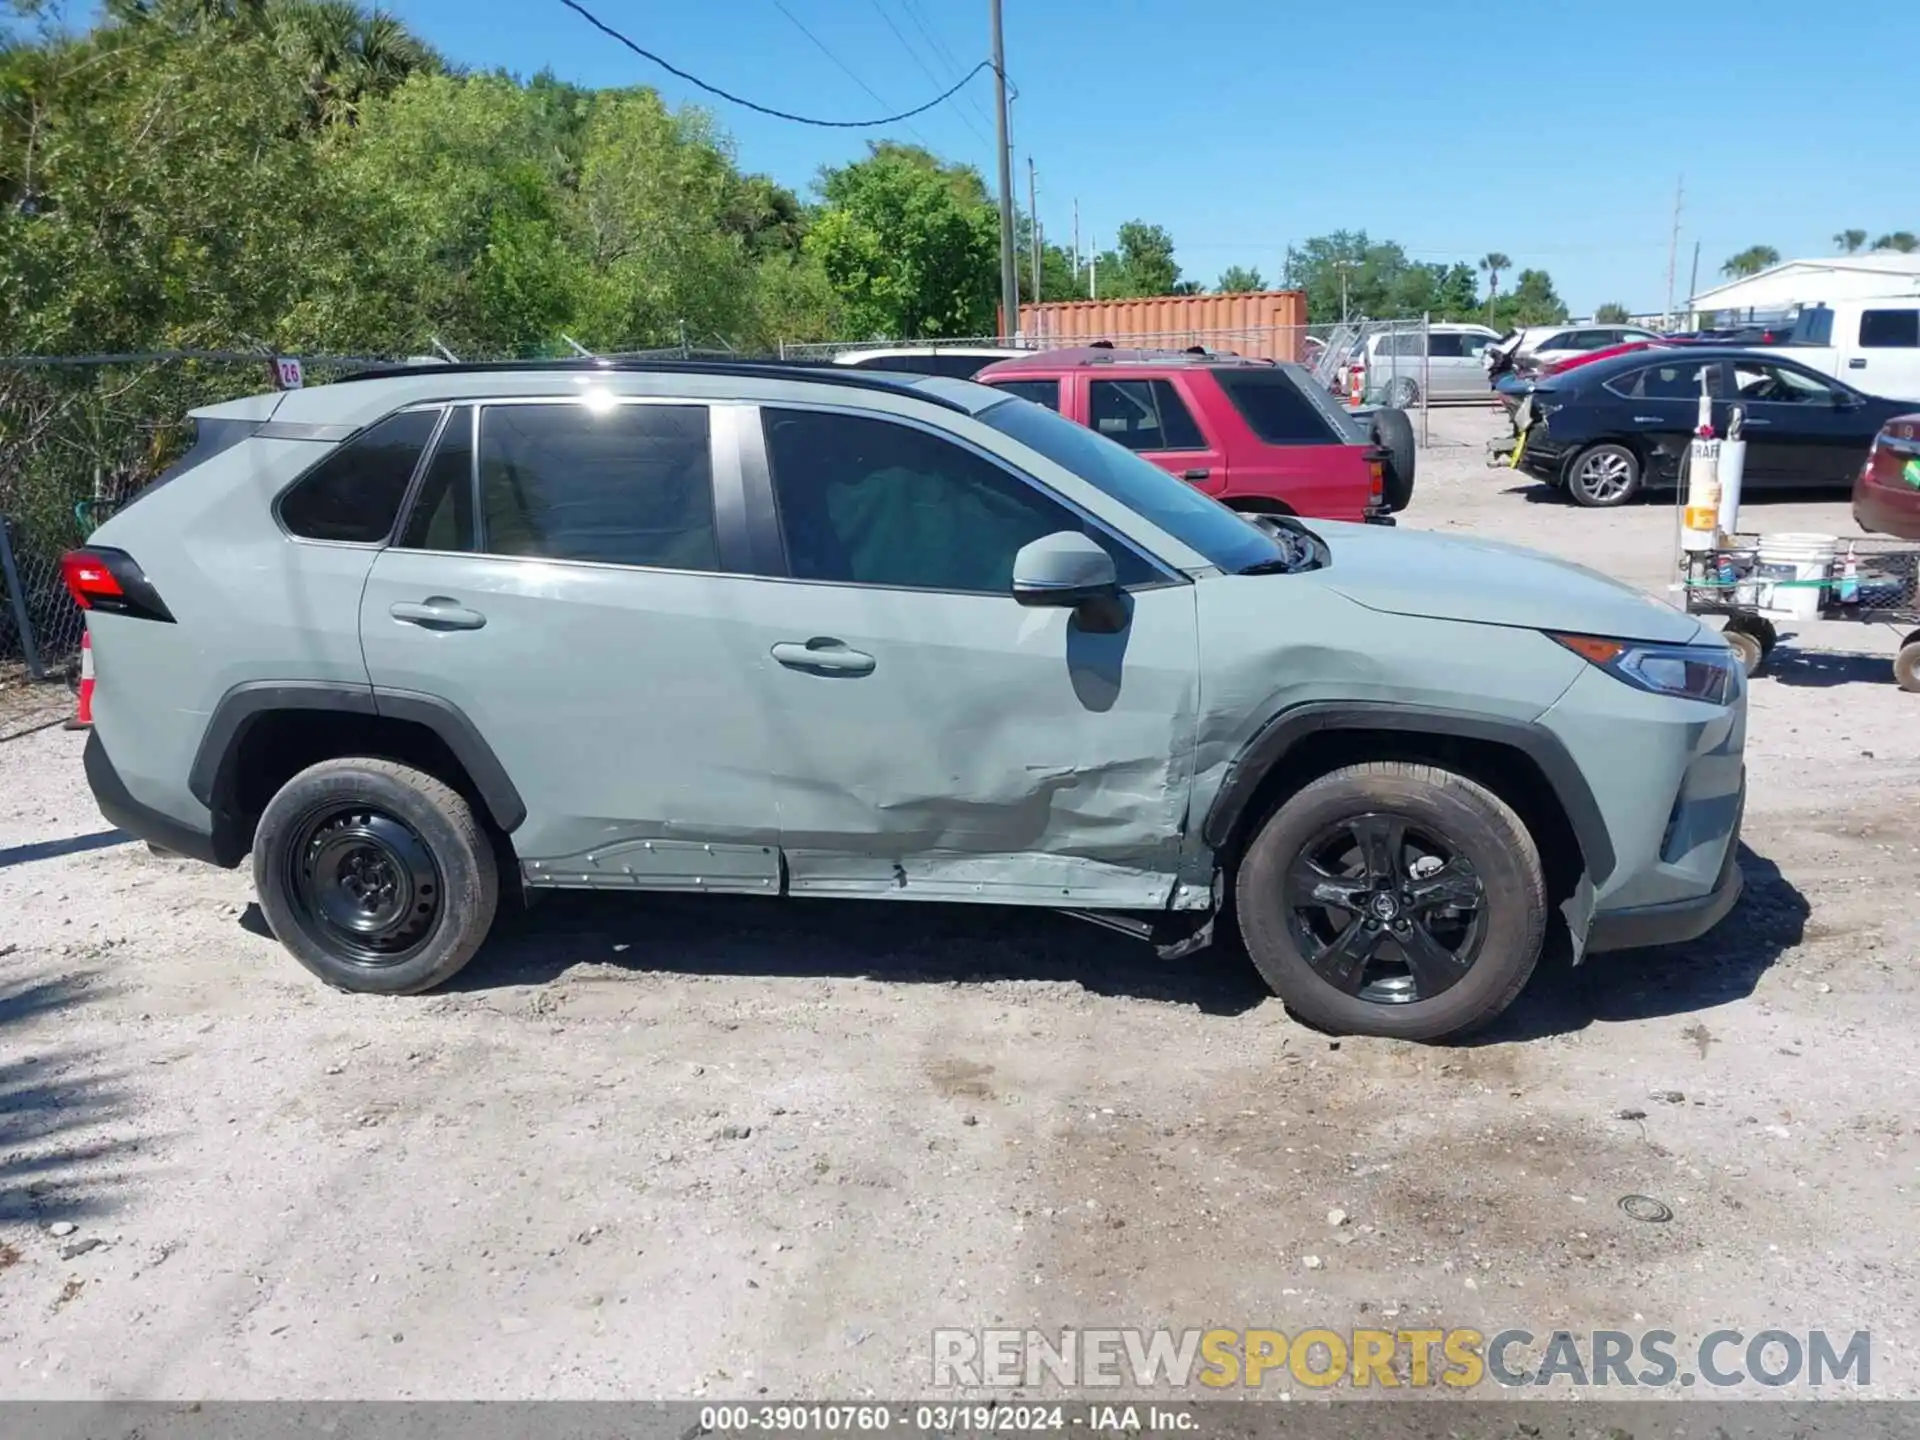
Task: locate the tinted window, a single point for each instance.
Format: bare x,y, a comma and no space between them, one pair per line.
1667,382
1890,329
1203,525
1446,345
1040,392
1143,415
1779,385
629,485
1814,326
355,493
1562,341
957,367
1400,344
868,502
1274,408
442,516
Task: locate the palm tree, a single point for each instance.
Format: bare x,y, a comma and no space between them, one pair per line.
1751,261
1492,263
347,54
1902,240
1848,242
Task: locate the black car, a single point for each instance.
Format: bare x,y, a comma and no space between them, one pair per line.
1605,430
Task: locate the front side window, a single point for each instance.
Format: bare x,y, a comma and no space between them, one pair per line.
1143,415
1446,345
354,495
1779,385
620,484
871,502
1890,329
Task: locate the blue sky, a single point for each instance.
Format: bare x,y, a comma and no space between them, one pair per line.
1554,132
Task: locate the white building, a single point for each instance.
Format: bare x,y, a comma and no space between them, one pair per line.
1812,282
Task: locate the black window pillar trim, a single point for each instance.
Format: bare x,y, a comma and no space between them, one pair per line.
1291,726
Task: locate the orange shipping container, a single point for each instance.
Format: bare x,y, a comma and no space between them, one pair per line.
1269,323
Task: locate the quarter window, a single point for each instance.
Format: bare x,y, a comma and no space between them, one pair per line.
354,494
1274,407
1040,392
624,485
1890,329
1143,415
869,502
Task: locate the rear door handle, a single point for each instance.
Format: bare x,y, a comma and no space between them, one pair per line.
437,612
824,655
1195,474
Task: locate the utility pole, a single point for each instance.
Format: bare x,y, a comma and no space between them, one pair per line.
1076,239
1009,285
1093,268
1673,245
1693,285
1033,219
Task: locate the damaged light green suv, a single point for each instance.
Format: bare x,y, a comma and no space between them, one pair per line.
755,629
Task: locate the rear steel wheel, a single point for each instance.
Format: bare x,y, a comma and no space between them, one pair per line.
1603,476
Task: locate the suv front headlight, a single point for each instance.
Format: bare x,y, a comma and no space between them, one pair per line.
1690,672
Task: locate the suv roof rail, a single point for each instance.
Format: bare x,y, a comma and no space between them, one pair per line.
850,376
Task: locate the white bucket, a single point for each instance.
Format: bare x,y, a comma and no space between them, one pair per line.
1797,557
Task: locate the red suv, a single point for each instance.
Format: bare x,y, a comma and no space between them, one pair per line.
1258,436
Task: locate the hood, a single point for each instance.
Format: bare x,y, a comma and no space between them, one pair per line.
1485,582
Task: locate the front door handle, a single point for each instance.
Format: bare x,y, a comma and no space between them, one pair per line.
1195,475
437,612
823,655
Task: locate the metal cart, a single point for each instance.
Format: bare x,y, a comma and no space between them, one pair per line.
1872,580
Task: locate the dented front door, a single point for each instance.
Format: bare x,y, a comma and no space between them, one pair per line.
953,746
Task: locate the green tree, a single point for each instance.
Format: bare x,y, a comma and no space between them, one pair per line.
1532,301
1146,255
1750,261
1611,313
345,54
1347,274
1239,280
1848,242
910,246
1901,240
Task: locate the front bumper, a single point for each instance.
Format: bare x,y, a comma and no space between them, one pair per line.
1676,920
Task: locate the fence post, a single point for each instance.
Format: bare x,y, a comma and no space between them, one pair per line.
19,599
1426,374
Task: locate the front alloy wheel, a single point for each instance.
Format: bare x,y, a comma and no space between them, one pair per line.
1393,898
1384,910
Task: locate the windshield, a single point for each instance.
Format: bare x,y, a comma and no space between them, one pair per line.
1203,525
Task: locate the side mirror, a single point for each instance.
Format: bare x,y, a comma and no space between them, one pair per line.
1068,568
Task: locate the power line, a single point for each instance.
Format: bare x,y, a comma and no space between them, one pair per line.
941,52
696,81
914,55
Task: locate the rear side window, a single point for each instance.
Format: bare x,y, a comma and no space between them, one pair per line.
1890,329
1143,415
354,494
442,517
1274,408
1040,392
629,485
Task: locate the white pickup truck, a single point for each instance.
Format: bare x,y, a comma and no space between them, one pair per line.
1873,345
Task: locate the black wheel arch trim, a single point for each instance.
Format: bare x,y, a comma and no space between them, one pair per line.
243,705
1288,728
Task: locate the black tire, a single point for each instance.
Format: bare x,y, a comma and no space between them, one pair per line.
1402,393
1906,666
1438,811
1393,432
400,851
1602,476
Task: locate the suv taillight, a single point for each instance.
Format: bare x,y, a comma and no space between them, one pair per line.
113,583
1377,478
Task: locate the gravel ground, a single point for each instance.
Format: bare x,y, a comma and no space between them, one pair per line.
665,1147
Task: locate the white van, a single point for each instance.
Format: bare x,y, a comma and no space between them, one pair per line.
1873,345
